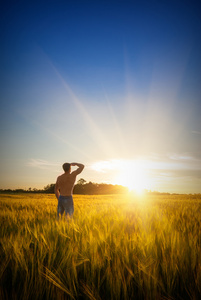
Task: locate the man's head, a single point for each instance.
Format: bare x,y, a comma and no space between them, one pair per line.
66,167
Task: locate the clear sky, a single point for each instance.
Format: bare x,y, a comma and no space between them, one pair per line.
115,85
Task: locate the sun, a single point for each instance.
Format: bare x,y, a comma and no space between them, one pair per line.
133,175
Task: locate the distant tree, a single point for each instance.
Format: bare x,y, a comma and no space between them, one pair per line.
81,181
80,186
49,189
19,191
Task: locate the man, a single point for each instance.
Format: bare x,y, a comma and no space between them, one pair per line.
64,189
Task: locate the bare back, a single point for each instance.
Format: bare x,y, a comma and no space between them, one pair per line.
65,183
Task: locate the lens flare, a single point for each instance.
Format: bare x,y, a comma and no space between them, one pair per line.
133,175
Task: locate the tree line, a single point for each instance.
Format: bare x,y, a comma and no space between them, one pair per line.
82,187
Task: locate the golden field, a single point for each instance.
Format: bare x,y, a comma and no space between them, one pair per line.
115,247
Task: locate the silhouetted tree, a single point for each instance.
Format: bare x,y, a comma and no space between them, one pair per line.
49,189
81,181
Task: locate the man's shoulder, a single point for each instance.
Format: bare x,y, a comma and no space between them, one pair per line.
60,176
73,174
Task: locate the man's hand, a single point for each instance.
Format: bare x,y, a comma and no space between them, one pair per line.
80,168
73,164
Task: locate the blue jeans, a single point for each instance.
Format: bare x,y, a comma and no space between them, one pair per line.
65,203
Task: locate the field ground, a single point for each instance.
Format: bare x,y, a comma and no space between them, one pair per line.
115,247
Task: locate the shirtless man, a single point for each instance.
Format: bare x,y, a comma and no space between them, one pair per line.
64,189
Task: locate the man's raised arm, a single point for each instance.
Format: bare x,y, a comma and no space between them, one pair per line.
80,168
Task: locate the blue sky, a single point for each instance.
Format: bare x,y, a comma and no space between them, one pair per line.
112,84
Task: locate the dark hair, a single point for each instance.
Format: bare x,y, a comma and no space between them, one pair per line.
66,167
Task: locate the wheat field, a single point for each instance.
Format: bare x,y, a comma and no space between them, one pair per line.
115,247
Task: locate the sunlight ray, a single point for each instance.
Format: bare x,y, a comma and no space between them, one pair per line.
61,139
118,128
95,131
